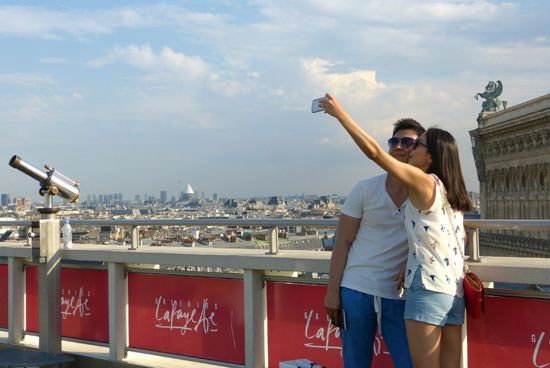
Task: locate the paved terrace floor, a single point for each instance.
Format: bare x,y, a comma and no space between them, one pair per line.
91,355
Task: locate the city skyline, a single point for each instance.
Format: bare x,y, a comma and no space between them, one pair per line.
139,97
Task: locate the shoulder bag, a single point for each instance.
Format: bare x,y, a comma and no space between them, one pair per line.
473,287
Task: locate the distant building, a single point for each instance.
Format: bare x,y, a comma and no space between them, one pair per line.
230,203
324,202
5,199
512,156
254,204
163,196
22,203
276,201
188,194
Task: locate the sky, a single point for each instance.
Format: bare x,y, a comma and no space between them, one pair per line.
139,96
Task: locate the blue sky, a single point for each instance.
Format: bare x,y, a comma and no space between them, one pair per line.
139,96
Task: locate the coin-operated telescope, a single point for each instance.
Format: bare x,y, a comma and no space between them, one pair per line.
45,249
52,182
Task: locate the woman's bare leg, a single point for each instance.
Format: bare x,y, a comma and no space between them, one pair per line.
424,343
451,346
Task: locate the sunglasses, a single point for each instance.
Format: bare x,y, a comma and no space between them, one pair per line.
418,143
405,142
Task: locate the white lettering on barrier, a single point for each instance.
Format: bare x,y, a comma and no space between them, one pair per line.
75,304
538,341
320,338
175,315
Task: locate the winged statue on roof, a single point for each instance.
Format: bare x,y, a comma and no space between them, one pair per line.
491,103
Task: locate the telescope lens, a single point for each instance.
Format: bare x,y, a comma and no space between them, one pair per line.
14,161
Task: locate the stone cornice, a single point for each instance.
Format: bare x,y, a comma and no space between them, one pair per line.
522,112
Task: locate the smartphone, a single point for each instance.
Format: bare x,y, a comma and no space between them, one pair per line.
341,320
315,104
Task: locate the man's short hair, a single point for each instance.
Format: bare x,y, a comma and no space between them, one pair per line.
408,123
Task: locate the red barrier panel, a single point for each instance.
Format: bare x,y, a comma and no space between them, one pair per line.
298,328
84,303
195,316
4,295
515,332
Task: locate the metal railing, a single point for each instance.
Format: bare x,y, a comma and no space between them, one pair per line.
473,227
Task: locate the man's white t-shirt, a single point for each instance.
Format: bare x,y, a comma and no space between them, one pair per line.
380,247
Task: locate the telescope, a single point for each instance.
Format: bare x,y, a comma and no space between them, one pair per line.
52,182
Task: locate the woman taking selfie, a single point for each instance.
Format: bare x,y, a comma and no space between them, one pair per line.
434,307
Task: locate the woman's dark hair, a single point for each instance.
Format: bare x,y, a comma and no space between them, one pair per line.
446,165
408,123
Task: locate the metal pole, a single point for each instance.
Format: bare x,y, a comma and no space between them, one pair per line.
16,297
273,240
473,245
29,236
118,305
135,238
49,283
255,311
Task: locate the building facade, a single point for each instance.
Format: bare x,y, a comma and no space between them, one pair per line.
512,155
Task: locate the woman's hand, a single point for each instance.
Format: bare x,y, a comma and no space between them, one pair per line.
332,106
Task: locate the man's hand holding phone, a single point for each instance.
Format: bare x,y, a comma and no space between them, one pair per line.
341,319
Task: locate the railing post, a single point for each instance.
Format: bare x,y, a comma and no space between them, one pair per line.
473,245
16,297
273,240
464,333
135,238
255,324
29,236
49,284
118,301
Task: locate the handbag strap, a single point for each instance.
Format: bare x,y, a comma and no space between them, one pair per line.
450,212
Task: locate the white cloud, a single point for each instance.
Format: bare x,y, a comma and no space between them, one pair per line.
26,79
165,61
54,60
37,109
478,11
358,85
41,23
168,66
515,56
54,24
393,12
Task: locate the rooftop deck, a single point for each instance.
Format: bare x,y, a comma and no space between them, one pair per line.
239,307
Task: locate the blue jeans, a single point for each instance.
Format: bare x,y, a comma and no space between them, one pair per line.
361,319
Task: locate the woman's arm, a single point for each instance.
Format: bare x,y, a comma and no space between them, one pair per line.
421,185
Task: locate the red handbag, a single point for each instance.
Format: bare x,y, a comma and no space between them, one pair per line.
473,295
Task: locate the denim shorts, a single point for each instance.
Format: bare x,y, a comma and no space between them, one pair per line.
432,307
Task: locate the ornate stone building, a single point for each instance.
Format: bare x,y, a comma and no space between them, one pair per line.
512,156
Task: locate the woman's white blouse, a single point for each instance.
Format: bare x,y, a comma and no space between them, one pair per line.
433,247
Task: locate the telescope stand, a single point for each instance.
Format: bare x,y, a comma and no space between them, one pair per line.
49,282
